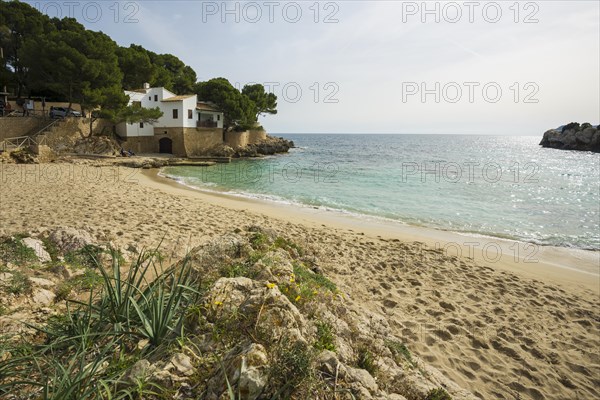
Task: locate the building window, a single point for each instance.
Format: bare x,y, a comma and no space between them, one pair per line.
149,98
175,113
218,117
190,114
155,97
141,124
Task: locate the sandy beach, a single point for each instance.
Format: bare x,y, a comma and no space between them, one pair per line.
502,319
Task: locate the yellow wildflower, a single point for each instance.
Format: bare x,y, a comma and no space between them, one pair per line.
218,303
270,285
297,298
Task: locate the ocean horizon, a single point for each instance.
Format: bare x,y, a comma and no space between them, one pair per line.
499,186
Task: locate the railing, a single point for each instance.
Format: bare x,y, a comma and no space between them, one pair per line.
21,141
30,140
206,124
9,113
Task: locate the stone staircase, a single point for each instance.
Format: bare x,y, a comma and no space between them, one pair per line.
37,137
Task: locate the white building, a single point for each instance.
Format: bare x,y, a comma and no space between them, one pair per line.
178,112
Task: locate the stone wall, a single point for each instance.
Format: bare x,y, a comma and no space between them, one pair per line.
151,144
11,127
256,136
199,140
236,139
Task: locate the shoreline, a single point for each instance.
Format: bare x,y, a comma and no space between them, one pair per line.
575,268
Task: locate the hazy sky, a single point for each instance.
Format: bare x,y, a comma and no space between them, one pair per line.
381,66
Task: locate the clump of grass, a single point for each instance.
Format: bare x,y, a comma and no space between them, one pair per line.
86,257
290,368
51,249
438,394
304,285
288,245
235,270
366,360
325,336
87,281
400,351
12,250
259,241
19,284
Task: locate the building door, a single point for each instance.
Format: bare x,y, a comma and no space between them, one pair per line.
165,145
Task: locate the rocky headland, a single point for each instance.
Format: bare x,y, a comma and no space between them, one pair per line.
573,136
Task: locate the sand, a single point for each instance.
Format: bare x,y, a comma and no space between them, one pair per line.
500,318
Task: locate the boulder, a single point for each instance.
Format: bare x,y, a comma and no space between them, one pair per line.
247,371
38,247
70,239
361,378
41,282
43,296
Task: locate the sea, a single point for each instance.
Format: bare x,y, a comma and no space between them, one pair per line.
500,186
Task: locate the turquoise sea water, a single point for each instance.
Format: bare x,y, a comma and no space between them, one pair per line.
502,186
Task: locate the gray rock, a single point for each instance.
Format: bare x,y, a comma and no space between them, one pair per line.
70,239
141,370
43,296
182,365
5,277
362,378
41,282
247,371
328,363
253,372
38,247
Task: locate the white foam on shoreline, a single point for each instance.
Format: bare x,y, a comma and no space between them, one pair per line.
205,187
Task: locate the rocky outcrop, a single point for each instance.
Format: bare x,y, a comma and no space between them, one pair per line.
97,145
573,136
257,321
269,146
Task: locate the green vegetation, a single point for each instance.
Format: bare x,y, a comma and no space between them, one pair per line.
61,60
18,284
400,352
438,394
12,250
86,257
366,360
264,103
83,356
290,368
325,336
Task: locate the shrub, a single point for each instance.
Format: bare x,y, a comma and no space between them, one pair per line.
325,336
399,350
291,367
438,394
14,251
19,284
86,257
287,245
366,360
